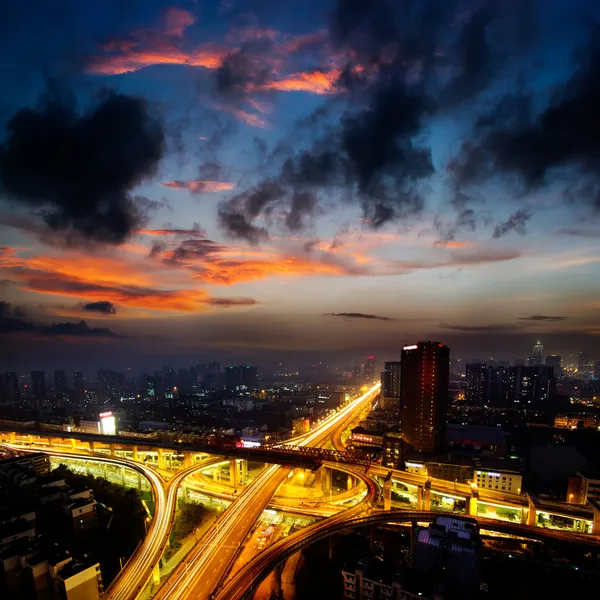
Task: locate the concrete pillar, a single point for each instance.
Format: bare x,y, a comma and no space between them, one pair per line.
327,480
217,473
233,472
277,578
135,457
73,443
387,495
112,449
244,465
187,460
30,439
350,483
420,497
471,501
427,495
91,444
123,476
161,459
319,478
139,481
532,514
596,518
13,437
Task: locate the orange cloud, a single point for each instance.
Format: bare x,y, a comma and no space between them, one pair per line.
314,82
177,20
198,187
252,119
131,56
455,244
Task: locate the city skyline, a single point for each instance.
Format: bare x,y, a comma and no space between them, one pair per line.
261,183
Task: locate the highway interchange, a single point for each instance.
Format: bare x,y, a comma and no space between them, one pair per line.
207,565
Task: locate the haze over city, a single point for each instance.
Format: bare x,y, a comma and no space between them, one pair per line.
296,182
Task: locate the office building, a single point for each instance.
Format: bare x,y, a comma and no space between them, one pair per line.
393,449
583,487
10,387
38,385
536,357
390,387
554,361
486,385
60,382
424,394
531,387
241,377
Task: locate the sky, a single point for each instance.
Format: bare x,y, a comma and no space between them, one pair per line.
263,181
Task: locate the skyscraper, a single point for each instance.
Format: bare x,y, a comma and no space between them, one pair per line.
10,391
38,385
369,370
424,394
390,386
78,382
554,361
536,357
242,376
531,387
60,382
477,384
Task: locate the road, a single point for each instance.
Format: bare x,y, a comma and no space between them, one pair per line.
209,561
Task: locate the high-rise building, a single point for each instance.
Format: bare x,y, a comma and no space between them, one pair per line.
10,387
597,370
424,394
242,376
369,370
60,382
554,361
531,387
38,385
78,382
390,386
477,384
536,357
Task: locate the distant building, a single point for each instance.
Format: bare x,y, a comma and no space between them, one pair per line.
300,426
583,488
9,388
38,385
531,387
424,394
241,377
78,382
36,462
554,361
597,370
369,370
60,382
390,386
486,385
536,357
495,475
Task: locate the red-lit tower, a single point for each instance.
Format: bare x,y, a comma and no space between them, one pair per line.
424,394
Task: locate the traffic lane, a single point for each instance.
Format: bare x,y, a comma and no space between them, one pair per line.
215,569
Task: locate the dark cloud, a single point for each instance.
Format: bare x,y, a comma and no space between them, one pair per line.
103,306
546,318
11,323
237,215
190,249
229,302
577,232
359,316
516,222
303,208
76,170
493,327
559,144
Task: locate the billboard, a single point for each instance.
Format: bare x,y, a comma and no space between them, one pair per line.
108,424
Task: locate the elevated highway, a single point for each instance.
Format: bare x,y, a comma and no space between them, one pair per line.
243,584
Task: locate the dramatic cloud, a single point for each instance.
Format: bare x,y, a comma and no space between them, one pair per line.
546,318
199,187
177,20
560,144
516,222
103,306
359,316
78,170
195,232
10,323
